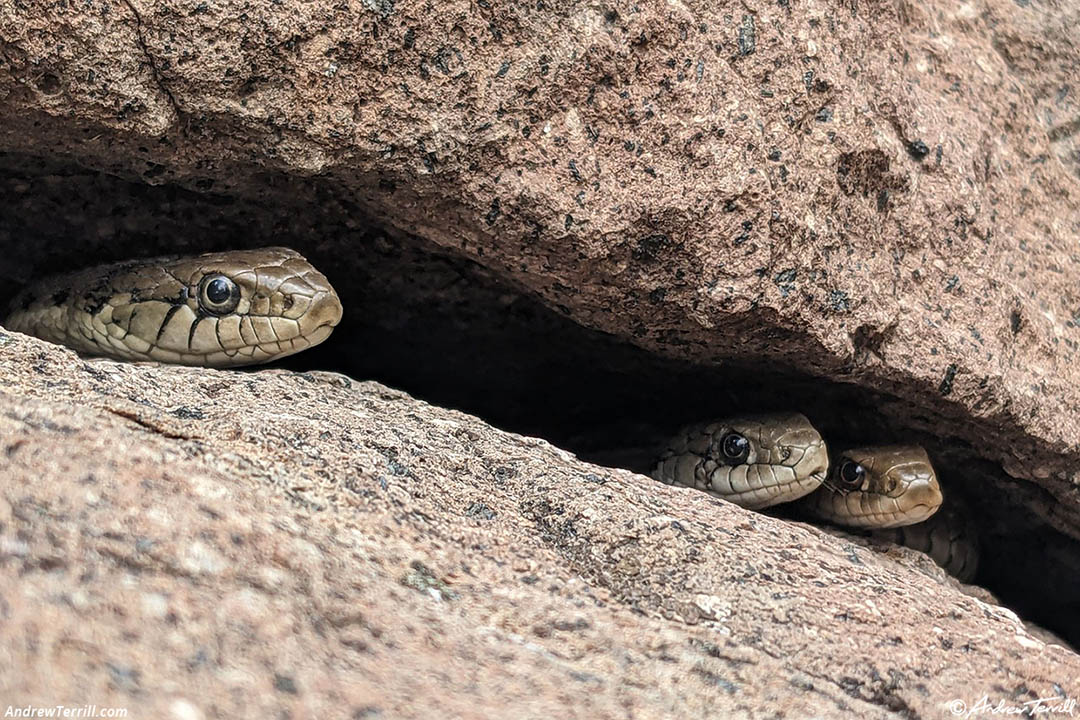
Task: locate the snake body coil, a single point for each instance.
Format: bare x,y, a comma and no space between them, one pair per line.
949,537
219,309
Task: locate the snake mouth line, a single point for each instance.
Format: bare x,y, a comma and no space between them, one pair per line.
918,513
888,520
813,482
759,498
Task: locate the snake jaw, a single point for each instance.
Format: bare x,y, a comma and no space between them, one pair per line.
808,468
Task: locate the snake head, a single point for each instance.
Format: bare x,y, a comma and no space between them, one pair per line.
225,309
878,487
217,309
753,461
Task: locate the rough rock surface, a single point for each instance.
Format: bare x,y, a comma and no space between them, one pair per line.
192,543
867,210
865,191
1040,42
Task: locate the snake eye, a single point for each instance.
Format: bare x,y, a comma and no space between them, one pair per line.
218,295
735,448
850,474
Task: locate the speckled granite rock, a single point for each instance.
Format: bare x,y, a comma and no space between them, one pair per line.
864,191
875,202
190,543
1040,42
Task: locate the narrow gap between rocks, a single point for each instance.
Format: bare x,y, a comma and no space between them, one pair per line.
449,332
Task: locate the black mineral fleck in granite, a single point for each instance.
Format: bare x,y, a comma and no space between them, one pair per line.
918,149
747,40
285,683
947,382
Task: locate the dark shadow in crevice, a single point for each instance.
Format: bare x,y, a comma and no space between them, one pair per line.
450,332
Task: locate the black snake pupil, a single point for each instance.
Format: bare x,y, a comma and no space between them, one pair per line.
851,473
218,290
218,295
735,446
